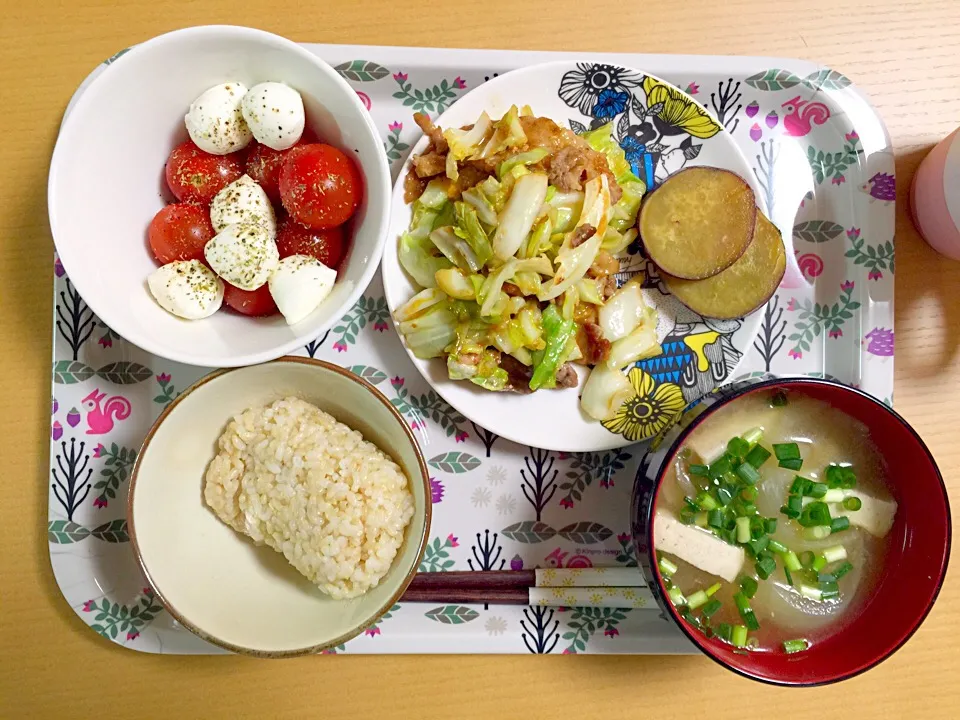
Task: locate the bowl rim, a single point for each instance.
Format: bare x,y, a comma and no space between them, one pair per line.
650,554
377,175
312,649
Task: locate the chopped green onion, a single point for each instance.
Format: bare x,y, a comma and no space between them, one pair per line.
842,570
786,451
713,589
739,636
852,504
807,558
789,575
742,602
833,496
794,646
777,547
748,473
770,526
743,530
757,456
817,532
748,586
766,566
706,501
753,435
779,399
795,503
720,467
687,516
667,568
724,631
715,519
791,561
810,592
749,493
746,612
814,513
700,470
819,563
728,536
749,509
799,485
839,524
701,519
697,599
791,463
817,490
835,554
839,476
676,596
724,496
829,590
759,545
691,505
710,609
738,447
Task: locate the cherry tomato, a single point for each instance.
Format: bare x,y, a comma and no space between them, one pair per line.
264,163
256,303
319,185
325,245
179,232
196,176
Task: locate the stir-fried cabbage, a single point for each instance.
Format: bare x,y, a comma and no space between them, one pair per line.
623,311
519,214
573,264
492,289
429,333
507,134
416,257
641,343
468,229
604,392
468,143
525,158
485,210
454,283
557,332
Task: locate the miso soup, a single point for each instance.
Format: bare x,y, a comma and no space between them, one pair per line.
773,521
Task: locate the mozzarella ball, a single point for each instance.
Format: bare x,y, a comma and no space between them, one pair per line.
243,254
299,284
215,121
187,289
274,114
242,201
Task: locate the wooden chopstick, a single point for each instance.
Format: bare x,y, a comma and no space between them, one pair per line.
481,579
467,595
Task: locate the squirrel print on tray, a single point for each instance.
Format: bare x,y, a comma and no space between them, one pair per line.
799,116
103,411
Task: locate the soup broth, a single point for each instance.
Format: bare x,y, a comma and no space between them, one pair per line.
734,574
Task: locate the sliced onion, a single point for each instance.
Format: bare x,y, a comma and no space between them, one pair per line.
622,312
519,214
604,392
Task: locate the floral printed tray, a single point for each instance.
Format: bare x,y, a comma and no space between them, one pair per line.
823,159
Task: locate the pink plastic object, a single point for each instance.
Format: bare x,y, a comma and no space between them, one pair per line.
935,197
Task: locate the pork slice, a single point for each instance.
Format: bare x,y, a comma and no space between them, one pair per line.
430,164
567,376
437,140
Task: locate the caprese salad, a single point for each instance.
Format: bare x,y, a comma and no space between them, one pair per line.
258,224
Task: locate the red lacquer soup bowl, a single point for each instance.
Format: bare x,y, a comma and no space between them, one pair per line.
914,565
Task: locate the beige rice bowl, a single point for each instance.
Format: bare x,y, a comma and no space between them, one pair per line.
292,477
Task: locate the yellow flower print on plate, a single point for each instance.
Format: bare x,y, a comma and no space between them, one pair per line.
679,110
653,408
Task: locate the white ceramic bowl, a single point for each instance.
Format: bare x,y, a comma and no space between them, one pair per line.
107,182
216,582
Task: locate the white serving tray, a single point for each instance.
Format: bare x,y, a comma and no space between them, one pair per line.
497,504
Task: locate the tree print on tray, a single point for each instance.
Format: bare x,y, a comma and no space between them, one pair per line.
71,476
314,345
75,321
875,259
486,437
116,469
433,99
585,622
771,337
726,104
486,553
815,318
366,310
539,478
587,467
540,629
112,619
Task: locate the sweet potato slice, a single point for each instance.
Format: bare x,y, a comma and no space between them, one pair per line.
698,222
744,286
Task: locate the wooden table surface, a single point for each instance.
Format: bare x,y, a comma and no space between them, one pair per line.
904,53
